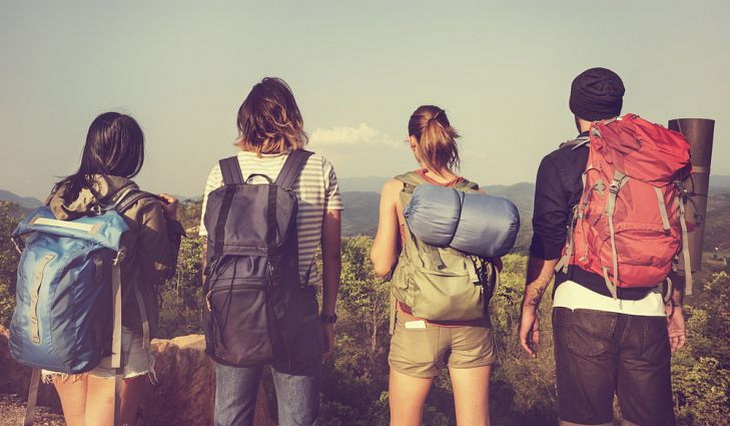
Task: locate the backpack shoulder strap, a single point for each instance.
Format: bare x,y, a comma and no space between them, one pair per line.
129,197
576,143
410,181
231,171
412,246
292,168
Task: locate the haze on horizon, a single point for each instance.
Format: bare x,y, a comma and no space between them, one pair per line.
358,69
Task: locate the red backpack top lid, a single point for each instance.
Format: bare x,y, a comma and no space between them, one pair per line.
642,150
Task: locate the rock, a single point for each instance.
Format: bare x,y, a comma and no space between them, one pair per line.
184,394
186,389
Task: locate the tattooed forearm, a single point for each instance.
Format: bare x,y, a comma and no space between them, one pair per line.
533,296
539,275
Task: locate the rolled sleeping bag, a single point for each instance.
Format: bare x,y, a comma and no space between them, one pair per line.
471,222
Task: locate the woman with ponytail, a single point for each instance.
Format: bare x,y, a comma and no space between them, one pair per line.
419,347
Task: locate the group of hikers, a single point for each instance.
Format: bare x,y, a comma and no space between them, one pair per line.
266,211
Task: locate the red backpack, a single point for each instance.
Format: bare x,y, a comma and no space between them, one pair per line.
629,223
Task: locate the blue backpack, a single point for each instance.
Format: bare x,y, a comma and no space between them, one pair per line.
69,281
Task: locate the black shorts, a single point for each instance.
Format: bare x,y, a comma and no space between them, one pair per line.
598,354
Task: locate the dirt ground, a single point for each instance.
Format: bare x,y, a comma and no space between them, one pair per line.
12,411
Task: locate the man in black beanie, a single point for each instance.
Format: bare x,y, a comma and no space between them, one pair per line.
604,343
596,94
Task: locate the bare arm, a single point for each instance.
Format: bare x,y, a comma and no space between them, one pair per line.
331,260
385,250
675,314
550,216
539,275
331,268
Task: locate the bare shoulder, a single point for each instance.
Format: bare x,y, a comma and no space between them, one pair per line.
392,186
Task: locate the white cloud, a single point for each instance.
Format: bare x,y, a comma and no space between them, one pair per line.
362,135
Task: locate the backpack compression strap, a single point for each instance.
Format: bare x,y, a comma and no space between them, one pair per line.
35,380
292,168
124,202
116,361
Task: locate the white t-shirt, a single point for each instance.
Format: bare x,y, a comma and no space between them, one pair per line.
572,295
316,188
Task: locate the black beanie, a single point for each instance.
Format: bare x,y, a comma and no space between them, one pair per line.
596,94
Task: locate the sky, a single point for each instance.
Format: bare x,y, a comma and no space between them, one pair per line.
501,70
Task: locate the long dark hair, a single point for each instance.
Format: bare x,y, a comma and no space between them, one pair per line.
269,121
114,147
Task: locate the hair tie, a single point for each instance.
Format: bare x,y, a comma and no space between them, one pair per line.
436,116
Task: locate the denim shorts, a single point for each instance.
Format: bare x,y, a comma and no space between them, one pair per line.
136,360
599,354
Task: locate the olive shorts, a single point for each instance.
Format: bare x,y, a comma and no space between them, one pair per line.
421,349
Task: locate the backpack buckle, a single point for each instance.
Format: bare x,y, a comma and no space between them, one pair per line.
18,243
208,301
274,269
121,254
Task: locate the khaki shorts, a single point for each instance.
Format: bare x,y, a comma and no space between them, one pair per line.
421,349
136,360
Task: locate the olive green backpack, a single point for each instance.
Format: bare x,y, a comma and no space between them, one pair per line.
440,283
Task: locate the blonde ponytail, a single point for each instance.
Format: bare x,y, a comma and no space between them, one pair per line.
435,138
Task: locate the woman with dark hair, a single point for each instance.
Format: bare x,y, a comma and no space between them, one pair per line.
270,129
112,156
419,347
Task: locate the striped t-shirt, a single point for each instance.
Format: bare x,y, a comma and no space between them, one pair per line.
316,188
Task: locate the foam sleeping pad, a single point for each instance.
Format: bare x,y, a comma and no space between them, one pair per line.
474,223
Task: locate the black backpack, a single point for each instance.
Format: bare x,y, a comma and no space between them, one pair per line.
254,299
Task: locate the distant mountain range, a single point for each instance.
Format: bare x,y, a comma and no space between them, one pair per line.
28,202
361,197
361,209
719,184
362,184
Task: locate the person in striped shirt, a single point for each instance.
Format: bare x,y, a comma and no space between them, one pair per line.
270,127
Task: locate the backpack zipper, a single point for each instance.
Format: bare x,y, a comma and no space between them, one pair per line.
209,295
35,328
282,329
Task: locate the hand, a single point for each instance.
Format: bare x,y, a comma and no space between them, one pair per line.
497,262
676,328
328,334
169,207
529,330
